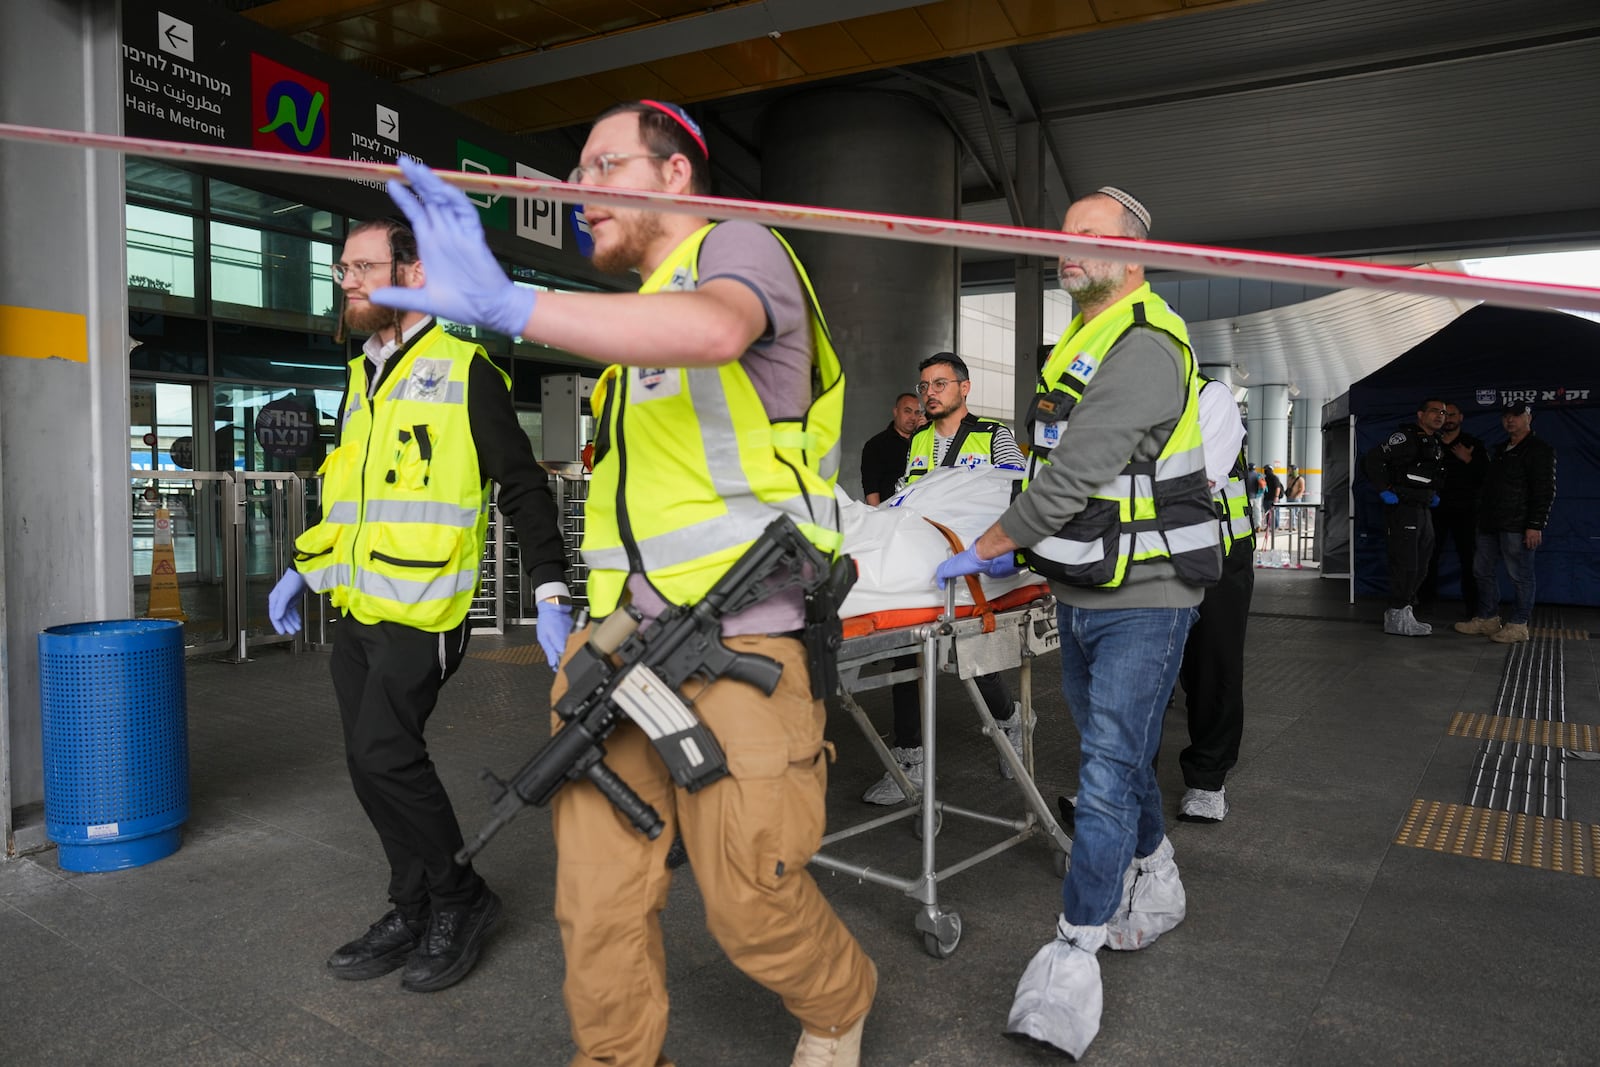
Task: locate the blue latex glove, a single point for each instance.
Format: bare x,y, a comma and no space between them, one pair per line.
553,625
464,282
283,603
1388,497
1434,502
967,562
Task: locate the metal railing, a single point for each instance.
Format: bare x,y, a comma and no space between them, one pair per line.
1289,539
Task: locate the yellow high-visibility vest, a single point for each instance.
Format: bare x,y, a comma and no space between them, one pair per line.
1150,511
689,468
405,507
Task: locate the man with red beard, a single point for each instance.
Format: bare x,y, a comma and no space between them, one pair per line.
719,411
426,423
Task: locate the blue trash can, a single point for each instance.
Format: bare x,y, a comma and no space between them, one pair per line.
116,741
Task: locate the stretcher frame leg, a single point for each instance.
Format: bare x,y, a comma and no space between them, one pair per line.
941,929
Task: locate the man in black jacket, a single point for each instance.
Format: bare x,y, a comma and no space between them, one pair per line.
1513,509
883,457
1455,520
1406,470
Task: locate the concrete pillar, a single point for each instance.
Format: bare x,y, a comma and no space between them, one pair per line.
1029,277
1308,444
889,304
1269,427
64,490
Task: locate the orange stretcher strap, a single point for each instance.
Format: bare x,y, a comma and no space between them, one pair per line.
896,618
979,601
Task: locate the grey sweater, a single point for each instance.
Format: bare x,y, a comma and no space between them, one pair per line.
1128,410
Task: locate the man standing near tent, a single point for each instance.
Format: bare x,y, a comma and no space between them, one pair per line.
1455,520
1407,470
1512,512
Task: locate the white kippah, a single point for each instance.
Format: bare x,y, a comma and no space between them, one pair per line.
1139,211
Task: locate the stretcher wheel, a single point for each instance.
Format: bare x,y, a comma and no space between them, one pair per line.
941,945
938,824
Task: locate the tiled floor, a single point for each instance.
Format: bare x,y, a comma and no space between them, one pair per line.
1311,937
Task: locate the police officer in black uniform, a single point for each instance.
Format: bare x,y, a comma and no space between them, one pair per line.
1407,470
1455,520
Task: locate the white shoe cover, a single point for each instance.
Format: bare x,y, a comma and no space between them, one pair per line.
886,790
1204,805
1153,904
1059,999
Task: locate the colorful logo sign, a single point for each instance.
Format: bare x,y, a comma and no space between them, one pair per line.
289,110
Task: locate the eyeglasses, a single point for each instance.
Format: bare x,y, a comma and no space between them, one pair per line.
938,385
603,165
1434,411
358,269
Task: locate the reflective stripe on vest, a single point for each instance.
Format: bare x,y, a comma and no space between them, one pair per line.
407,507
713,470
1121,524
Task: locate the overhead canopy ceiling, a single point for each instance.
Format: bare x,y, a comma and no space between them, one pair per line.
1393,129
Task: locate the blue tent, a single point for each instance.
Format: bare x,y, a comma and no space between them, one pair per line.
1488,357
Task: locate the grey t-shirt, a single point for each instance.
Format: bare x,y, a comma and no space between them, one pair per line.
779,366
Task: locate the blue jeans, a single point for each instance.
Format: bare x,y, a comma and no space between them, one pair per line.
1493,548
1117,669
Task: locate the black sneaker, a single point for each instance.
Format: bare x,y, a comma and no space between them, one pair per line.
450,947
384,946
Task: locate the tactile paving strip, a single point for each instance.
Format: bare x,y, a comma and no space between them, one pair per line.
520,656
1572,736
1483,833
1558,633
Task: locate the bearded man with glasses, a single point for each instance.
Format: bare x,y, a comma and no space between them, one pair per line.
425,425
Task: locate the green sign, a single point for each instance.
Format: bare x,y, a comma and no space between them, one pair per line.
495,210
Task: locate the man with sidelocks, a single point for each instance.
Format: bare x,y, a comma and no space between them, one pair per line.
719,411
1124,528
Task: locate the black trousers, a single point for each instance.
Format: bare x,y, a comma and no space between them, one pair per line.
1458,527
1213,673
387,678
1409,531
908,709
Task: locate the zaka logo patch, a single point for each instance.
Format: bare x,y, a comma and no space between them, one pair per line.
289,110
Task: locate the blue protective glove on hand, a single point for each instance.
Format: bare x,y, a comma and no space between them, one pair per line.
967,562
1388,497
553,625
1434,502
283,603
464,283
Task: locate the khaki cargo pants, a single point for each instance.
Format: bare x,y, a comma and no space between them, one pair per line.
749,837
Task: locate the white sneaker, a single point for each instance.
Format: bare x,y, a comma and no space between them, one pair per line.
886,790
1012,728
1203,805
1059,999
1153,901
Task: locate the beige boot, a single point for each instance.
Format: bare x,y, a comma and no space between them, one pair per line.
840,1050
1510,634
1479,626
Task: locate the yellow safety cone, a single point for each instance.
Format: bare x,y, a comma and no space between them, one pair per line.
163,573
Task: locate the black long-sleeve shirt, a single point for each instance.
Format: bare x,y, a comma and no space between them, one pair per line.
504,457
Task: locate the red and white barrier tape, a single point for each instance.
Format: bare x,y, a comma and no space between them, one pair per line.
1011,240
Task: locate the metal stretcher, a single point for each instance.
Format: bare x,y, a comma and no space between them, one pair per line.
1014,630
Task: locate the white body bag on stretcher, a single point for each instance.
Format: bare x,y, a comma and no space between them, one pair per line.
896,549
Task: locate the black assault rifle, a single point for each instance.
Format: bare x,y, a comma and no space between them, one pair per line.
624,672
